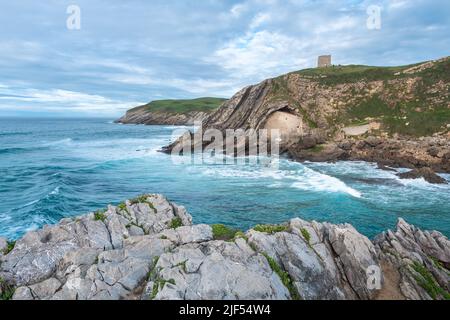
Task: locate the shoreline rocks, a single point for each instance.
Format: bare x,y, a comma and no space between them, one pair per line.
148,248
394,153
425,173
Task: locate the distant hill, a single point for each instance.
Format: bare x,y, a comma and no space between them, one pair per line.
175,112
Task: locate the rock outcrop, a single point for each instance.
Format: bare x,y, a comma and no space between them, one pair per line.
147,248
425,173
421,259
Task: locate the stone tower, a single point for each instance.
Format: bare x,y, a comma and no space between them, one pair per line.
324,61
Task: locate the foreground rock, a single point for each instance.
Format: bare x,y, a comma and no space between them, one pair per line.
425,173
147,248
421,259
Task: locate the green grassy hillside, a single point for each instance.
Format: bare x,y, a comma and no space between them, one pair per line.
182,106
414,99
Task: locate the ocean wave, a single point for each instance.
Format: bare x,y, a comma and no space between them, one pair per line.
64,141
303,178
422,184
317,181
8,134
19,150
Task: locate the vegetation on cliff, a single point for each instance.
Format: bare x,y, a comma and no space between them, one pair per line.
412,100
182,106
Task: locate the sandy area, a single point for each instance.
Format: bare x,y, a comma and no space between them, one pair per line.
290,125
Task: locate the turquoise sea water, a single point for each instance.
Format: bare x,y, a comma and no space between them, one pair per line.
53,168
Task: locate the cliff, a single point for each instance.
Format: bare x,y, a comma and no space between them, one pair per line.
148,248
397,116
172,112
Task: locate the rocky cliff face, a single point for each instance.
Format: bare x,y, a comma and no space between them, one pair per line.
147,248
340,108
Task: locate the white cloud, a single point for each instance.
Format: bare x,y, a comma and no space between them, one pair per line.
62,100
238,9
260,53
259,19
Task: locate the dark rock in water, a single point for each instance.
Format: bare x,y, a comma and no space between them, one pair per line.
426,173
385,168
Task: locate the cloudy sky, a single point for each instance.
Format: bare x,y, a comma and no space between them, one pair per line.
130,52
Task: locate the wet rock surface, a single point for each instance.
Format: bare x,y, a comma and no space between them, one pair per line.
147,248
425,173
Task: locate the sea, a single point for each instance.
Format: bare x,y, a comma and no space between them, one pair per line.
56,168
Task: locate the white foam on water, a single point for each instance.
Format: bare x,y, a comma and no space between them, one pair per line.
317,181
303,178
65,141
422,184
55,191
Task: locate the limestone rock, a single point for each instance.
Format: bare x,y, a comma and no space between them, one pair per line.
147,248
422,259
214,270
3,245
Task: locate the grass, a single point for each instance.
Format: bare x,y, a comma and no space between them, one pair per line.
352,73
143,199
176,223
222,232
100,215
317,148
271,229
182,106
158,285
427,281
9,247
403,118
306,235
6,291
122,206
284,276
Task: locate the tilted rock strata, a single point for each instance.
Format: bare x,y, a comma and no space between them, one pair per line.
147,248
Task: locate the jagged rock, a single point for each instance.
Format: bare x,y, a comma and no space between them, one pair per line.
3,245
325,261
425,173
41,291
421,258
36,256
103,256
215,270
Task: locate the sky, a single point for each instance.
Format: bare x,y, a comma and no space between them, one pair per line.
126,53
